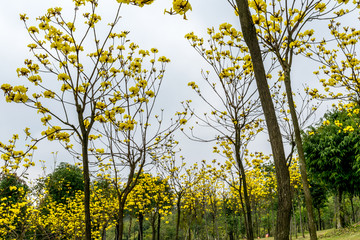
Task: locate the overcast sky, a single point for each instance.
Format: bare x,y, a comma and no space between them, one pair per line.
148,27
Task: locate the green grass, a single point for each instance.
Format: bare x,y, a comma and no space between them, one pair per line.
351,233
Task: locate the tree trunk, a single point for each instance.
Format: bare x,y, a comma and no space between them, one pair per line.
231,235
319,216
178,218
158,226
282,171
129,232
86,176
153,227
247,209
300,150
295,222
258,222
339,214
352,209
103,234
215,224
189,233
141,227
270,222
336,211
243,208
291,227
300,217
120,225
341,209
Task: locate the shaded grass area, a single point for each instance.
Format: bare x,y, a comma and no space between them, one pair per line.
350,233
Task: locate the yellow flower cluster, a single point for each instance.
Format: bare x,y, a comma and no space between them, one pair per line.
181,6
127,125
55,133
150,194
15,94
16,218
67,220
139,3
258,5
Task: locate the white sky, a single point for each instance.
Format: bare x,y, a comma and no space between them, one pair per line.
148,27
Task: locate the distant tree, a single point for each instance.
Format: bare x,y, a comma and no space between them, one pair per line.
319,194
14,212
234,106
16,216
9,188
331,150
64,182
152,198
181,179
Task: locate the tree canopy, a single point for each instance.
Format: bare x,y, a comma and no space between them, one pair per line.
332,151
64,182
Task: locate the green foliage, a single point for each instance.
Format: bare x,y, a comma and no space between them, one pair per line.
12,189
14,218
318,193
331,151
64,182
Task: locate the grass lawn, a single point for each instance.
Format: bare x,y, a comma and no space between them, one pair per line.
352,233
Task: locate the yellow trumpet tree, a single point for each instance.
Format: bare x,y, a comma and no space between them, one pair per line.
16,161
16,206
234,106
339,66
130,132
16,210
81,80
66,220
180,179
152,199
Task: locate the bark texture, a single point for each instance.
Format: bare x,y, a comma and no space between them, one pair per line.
247,209
282,171
86,172
178,217
300,150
